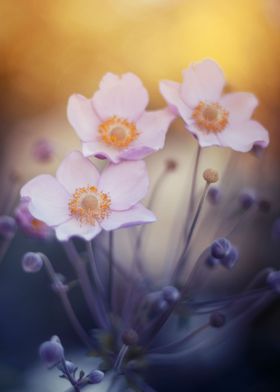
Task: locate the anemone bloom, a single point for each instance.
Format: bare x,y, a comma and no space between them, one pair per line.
114,124
80,201
30,225
213,118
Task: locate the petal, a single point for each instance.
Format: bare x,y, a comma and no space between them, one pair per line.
48,199
152,127
136,153
239,105
73,228
76,171
244,136
124,97
81,115
203,81
204,139
136,215
126,183
171,92
99,149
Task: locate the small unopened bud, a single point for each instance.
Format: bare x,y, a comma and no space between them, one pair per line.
161,305
171,164
32,262
264,206
273,280
51,352
95,377
130,337
211,176
220,248
214,195
43,150
230,259
8,227
217,320
247,198
211,261
170,294
71,367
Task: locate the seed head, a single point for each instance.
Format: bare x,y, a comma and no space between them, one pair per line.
210,176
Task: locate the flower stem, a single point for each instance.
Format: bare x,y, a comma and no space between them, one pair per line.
120,357
67,305
111,269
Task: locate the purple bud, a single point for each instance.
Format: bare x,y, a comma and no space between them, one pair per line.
264,206
43,150
51,352
247,198
161,305
32,262
170,294
230,259
71,367
276,230
220,248
214,195
8,226
217,320
130,337
95,377
212,261
273,280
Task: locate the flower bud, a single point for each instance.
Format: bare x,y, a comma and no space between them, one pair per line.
71,367
217,320
51,352
220,248
170,294
43,150
161,305
247,198
171,164
8,227
264,206
273,280
130,337
32,262
214,195
212,261
230,259
95,377
210,176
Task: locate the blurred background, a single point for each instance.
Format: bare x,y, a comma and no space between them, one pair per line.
52,49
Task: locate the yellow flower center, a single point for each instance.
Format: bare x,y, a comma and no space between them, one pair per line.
210,118
88,205
118,132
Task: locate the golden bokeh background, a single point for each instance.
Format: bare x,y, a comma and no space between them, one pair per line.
50,49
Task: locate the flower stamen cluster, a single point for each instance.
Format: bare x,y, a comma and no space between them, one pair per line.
118,132
210,118
88,205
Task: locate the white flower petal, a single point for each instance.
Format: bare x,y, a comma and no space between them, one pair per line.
203,81
73,228
239,105
125,97
76,171
126,183
48,199
136,215
82,117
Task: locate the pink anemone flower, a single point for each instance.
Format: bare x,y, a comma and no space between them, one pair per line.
114,124
31,226
214,118
81,202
